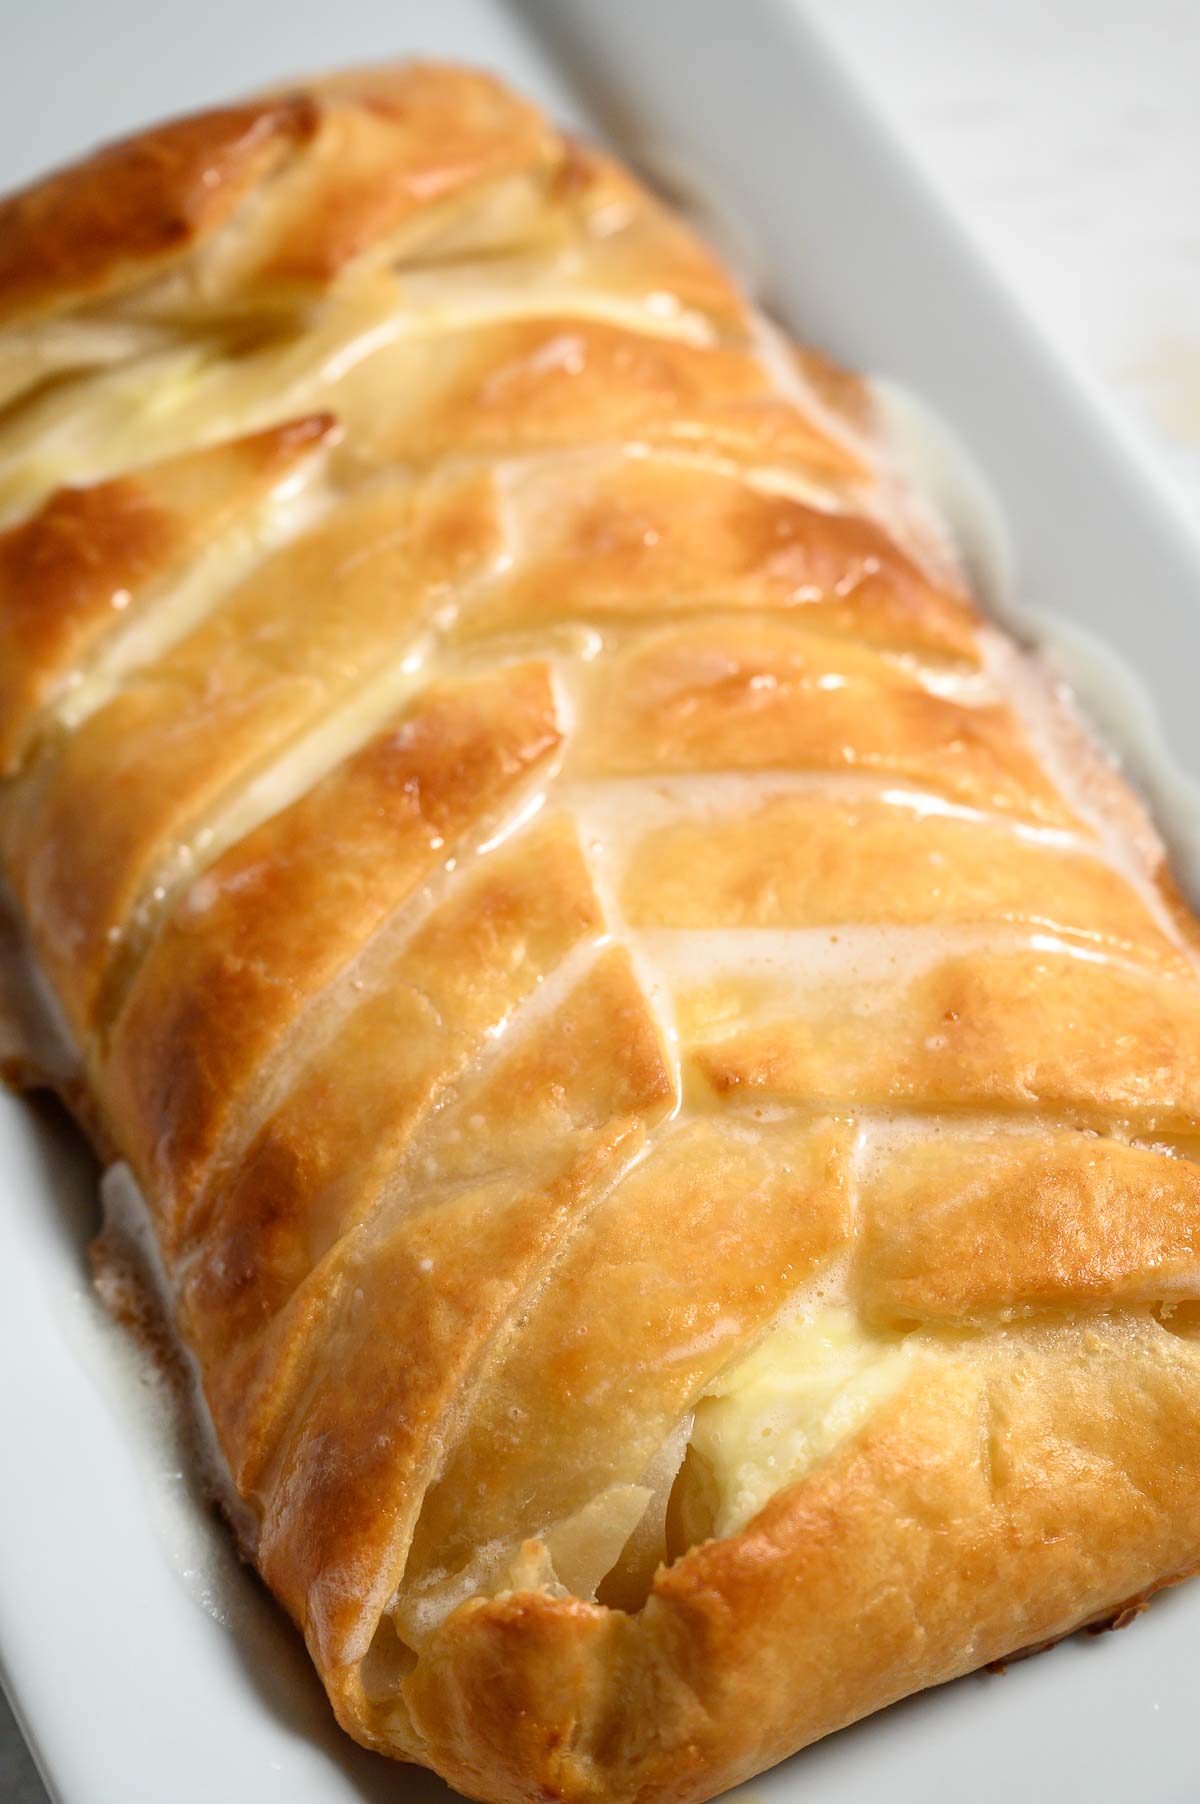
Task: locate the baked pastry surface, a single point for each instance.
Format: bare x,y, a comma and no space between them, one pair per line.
664,1067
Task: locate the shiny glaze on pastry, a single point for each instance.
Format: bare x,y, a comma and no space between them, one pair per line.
663,1066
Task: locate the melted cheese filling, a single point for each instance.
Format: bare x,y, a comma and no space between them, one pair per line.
768,1420
818,1376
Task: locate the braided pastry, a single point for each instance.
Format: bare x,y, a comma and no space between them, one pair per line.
663,1066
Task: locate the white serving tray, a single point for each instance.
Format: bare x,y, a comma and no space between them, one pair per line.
143,1662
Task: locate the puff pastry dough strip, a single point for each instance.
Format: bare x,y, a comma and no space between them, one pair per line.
664,1069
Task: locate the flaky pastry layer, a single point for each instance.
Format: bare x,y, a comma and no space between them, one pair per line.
663,1067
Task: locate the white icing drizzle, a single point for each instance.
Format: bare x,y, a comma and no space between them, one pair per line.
324,1013
439,312
867,966
110,416
292,774
859,959
624,808
257,793
297,506
884,1134
766,479
177,392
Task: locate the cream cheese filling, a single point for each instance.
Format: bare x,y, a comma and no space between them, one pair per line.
820,1374
809,1385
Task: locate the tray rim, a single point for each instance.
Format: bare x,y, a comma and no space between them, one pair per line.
1117,460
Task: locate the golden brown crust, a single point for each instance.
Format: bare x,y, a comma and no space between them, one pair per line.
268,924
569,1108
639,537
140,205
622,1304
765,695
808,861
1021,1223
335,169
560,382
670,1119
88,560
320,1162
1020,1031
937,1516
88,835
395,145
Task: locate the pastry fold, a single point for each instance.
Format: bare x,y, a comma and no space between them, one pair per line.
662,1065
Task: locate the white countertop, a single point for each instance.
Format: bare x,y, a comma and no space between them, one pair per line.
1066,131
